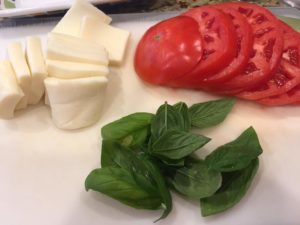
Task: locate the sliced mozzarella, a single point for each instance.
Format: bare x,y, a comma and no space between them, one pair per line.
70,23
10,92
67,48
76,103
70,70
36,63
18,61
112,38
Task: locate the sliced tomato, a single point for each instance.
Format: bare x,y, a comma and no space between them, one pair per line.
290,97
219,44
288,74
267,47
244,46
168,49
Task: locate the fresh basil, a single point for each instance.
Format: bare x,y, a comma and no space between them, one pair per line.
131,130
210,113
166,118
195,180
234,187
175,144
183,110
120,185
237,154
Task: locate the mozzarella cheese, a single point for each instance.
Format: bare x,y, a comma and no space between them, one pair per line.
76,103
36,62
10,92
67,48
70,70
70,23
18,60
112,38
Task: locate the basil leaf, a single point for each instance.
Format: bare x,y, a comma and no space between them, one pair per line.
152,173
195,180
120,185
131,130
174,144
183,109
237,154
166,118
210,113
234,186
293,22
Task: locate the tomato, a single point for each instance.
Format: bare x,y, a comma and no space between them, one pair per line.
219,44
244,47
267,47
168,49
288,74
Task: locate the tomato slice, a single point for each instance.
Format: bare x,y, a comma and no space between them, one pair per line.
165,52
219,44
244,46
288,74
267,47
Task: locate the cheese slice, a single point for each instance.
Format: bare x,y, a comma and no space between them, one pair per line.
36,63
18,61
70,23
70,70
10,92
76,103
112,38
67,48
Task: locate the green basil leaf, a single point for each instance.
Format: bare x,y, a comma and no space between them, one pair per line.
237,154
210,113
183,109
174,144
120,185
293,22
150,171
166,118
132,130
234,186
195,180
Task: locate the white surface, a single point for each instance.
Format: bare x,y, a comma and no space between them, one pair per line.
42,169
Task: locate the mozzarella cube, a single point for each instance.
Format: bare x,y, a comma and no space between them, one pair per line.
76,103
10,92
112,38
67,48
70,70
18,61
36,62
70,23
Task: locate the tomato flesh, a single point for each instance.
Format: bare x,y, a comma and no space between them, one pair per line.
244,46
219,44
165,52
288,74
267,47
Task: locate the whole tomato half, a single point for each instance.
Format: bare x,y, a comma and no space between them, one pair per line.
168,50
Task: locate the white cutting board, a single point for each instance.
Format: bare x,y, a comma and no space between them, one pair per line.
42,168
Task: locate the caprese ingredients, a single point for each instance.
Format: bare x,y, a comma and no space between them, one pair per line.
145,155
240,49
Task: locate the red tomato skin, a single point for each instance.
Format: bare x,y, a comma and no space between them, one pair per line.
244,47
165,51
219,45
267,48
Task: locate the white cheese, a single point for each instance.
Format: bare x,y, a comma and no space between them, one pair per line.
70,70
112,38
76,103
18,61
70,23
36,63
67,48
10,92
